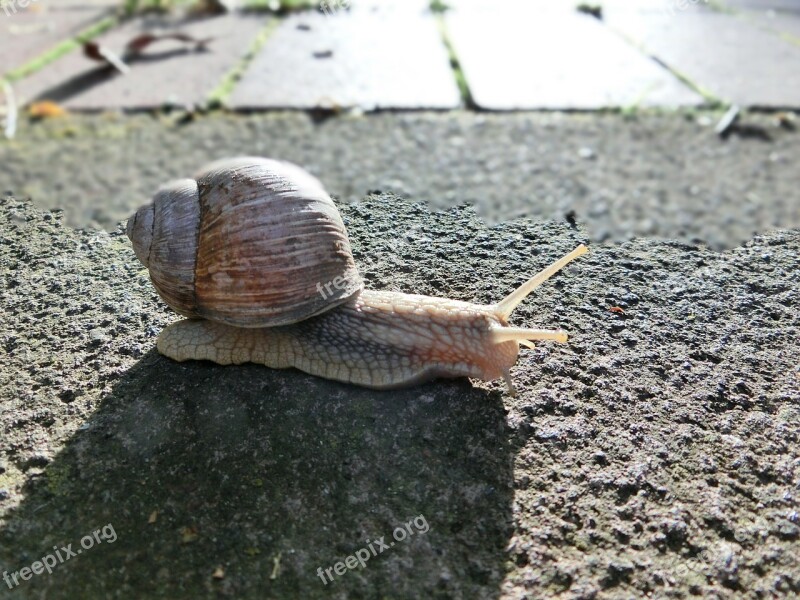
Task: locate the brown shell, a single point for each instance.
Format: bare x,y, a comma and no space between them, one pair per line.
250,242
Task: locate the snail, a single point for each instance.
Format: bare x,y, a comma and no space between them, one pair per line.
254,252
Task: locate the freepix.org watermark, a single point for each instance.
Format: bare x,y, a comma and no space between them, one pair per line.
10,7
339,283
676,6
360,557
60,555
331,7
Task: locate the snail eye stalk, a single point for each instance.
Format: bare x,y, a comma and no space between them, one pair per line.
506,306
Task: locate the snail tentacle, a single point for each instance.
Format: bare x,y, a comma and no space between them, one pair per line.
516,334
506,306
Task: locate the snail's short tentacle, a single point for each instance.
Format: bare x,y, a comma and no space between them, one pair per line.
521,336
506,306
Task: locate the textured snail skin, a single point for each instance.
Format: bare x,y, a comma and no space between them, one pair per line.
379,340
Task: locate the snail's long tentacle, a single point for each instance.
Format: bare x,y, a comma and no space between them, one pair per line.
506,306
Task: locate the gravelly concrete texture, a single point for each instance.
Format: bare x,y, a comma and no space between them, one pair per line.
653,175
655,454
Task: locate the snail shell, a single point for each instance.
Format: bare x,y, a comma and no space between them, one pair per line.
246,243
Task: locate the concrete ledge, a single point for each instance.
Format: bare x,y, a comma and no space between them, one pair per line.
655,453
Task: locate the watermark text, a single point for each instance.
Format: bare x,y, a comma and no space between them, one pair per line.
331,7
10,7
338,283
60,555
372,548
676,6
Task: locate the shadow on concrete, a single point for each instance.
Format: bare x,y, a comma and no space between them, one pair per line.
244,481
91,78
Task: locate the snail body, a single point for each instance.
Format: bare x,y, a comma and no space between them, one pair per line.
248,250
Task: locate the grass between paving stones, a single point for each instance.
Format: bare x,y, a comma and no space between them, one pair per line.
712,100
438,7
134,7
788,37
219,96
455,63
720,7
635,106
61,49
279,6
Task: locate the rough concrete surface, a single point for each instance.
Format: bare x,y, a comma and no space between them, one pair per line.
656,454
666,175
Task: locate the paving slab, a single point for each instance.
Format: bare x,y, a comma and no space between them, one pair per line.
722,53
370,59
167,72
571,6
36,5
372,5
556,60
784,23
26,34
514,5
665,7
777,5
